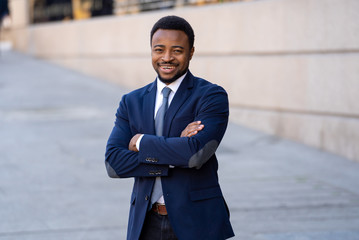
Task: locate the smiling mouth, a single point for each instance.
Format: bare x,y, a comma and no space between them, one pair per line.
167,67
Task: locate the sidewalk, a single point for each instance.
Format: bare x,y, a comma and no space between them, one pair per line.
54,124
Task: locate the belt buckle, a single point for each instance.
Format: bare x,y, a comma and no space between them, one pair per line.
158,208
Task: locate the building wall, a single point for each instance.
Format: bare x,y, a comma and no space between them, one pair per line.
291,67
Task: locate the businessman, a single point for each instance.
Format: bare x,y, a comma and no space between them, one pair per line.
165,137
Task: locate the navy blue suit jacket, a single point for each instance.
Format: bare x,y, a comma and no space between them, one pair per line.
194,201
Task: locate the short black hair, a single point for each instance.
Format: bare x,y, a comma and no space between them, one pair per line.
174,23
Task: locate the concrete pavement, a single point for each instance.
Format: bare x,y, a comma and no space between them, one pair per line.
54,124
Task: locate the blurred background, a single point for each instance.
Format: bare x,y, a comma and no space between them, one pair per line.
288,163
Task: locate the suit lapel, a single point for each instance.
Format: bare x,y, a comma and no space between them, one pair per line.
183,92
149,108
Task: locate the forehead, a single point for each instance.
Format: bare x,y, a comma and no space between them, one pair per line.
166,36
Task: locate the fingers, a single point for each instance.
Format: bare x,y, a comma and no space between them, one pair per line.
192,129
132,144
194,123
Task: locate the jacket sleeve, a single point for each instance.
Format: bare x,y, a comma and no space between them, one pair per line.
121,162
191,152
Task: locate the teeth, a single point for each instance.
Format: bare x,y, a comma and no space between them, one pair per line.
167,67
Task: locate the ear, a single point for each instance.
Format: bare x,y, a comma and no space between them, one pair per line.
191,53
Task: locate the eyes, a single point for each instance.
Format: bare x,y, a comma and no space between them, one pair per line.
160,50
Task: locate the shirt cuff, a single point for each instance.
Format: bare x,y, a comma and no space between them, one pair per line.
138,142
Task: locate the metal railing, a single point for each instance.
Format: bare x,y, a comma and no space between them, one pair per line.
135,6
57,10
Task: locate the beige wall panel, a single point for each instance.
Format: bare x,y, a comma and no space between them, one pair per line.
334,134
277,26
53,40
307,83
92,37
19,12
113,36
20,39
259,26
280,124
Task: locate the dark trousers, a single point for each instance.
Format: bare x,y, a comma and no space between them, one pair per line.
157,227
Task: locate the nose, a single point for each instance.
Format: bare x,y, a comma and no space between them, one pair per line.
167,56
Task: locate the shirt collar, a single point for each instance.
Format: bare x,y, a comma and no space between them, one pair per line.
173,86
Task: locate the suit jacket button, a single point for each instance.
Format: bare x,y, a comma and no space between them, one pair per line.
147,197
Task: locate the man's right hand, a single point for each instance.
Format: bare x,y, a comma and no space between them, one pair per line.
192,129
132,144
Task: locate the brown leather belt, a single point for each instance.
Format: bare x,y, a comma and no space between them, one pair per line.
159,209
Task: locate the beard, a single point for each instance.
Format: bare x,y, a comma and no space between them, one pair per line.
174,78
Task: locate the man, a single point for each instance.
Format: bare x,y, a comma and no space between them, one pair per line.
165,136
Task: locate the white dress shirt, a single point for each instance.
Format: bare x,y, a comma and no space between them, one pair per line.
159,98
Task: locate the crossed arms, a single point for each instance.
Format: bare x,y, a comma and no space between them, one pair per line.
192,129
194,146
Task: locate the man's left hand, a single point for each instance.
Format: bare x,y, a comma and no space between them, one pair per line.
192,129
